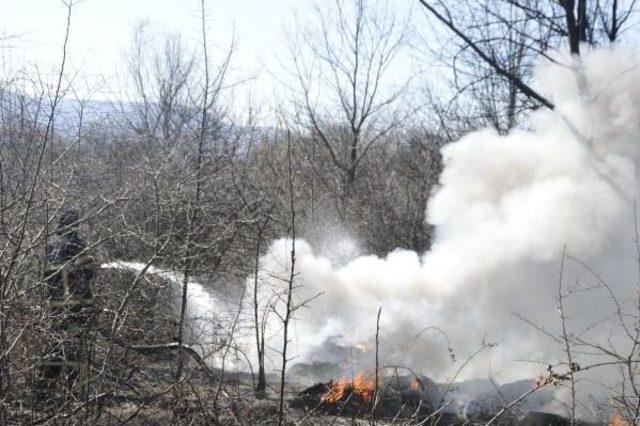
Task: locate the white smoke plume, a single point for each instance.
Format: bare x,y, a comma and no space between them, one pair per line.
506,209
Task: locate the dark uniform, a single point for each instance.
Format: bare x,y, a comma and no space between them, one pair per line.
68,273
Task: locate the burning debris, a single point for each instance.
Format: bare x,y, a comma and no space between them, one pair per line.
361,388
417,399
396,397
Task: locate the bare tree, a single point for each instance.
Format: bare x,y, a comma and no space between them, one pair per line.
289,304
343,63
159,106
259,322
498,42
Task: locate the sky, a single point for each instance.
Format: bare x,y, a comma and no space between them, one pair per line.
32,31
32,34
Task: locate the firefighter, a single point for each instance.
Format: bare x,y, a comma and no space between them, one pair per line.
68,273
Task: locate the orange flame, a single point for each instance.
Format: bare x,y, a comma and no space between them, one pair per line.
362,387
416,384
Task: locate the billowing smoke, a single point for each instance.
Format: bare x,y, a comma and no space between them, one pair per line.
512,214
507,209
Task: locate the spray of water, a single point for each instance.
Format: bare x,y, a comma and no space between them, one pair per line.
205,312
